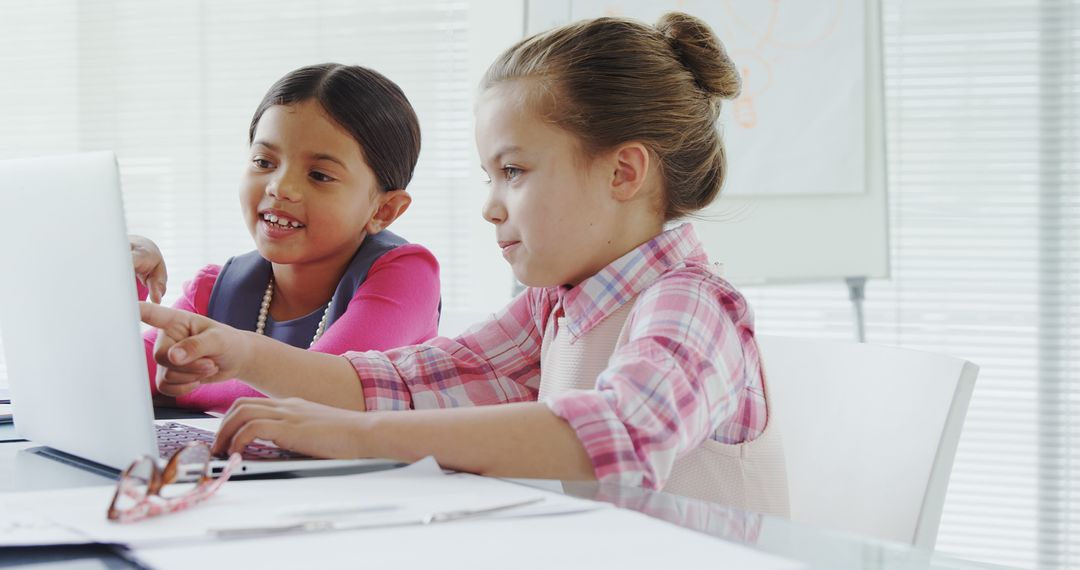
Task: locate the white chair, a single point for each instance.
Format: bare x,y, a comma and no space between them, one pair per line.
870,433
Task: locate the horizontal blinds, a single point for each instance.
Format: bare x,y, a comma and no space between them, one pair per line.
982,105
172,90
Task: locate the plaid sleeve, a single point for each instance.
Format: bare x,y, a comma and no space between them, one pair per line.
496,361
675,382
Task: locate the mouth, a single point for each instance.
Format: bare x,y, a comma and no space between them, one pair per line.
280,220
509,248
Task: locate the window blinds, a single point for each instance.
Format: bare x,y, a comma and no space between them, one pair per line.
982,101
172,87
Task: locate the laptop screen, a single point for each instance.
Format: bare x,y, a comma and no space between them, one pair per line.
69,312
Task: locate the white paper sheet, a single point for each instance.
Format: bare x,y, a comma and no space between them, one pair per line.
387,497
21,527
605,538
560,530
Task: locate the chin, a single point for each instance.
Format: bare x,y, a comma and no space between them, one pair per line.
533,279
274,254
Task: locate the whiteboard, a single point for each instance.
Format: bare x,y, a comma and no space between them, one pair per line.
805,197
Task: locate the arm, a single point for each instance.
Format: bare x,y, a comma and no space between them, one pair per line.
396,305
487,365
193,350
677,379
381,312
196,294
680,377
494,362
513,440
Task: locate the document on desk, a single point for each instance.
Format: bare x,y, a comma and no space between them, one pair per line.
410,517
419,494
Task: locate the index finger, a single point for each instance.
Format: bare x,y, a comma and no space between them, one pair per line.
242,411
158,316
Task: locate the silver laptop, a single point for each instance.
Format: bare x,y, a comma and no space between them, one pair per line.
70,320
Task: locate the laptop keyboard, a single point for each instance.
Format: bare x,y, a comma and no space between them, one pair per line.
172,436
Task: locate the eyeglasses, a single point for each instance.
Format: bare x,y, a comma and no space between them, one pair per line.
145,489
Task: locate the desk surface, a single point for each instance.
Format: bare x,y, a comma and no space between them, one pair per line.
21,469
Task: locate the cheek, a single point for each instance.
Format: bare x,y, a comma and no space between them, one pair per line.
250,194
337,216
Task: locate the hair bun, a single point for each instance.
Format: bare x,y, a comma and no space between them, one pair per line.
700,51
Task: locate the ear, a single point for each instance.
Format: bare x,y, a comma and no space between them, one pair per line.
632,161
391,205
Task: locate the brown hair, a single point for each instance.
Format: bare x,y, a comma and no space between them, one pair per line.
365,103
615,80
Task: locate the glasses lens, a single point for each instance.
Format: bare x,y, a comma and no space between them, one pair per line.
134,483
190,465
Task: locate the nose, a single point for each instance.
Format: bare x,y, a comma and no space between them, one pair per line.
494,211
283,186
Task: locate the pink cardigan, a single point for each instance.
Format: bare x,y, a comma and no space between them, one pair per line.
396,305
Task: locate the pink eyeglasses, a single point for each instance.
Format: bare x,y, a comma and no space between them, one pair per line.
146,490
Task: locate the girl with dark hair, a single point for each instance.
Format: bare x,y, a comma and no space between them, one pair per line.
332,150
627,358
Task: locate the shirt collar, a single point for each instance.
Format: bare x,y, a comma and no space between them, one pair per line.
620,281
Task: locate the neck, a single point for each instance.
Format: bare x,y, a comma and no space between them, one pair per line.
634,227
300,289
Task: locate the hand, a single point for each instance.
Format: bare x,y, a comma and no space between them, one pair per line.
192,350
149,266
293,424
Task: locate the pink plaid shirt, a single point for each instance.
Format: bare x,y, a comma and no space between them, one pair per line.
688,372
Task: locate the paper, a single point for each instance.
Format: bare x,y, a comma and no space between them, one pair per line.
604,538
555,531
388,497
21,528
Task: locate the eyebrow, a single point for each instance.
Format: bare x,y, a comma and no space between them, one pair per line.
506,150
316,156
331,158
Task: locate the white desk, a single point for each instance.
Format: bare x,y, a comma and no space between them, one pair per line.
20,469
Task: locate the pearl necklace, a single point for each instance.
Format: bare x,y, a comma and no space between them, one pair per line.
264,310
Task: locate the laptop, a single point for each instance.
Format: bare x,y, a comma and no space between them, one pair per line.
70,322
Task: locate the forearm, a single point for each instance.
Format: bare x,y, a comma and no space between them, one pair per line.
282,371
510,440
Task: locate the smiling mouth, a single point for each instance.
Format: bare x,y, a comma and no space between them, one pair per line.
280,222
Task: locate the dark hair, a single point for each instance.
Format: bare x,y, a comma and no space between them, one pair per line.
365,103
615,80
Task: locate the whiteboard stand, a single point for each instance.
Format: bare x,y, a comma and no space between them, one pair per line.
857,292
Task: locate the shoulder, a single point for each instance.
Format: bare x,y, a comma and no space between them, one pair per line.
410,261
409,253
540,303
203,279
406,271
200,287
209,273
688,299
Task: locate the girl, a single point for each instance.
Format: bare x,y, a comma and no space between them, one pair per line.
333,148
626,359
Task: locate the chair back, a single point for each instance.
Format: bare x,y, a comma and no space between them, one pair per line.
870,433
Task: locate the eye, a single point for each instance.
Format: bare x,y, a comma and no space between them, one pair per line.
320,177
510,173
261,163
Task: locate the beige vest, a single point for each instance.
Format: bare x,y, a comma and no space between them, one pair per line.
749,476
